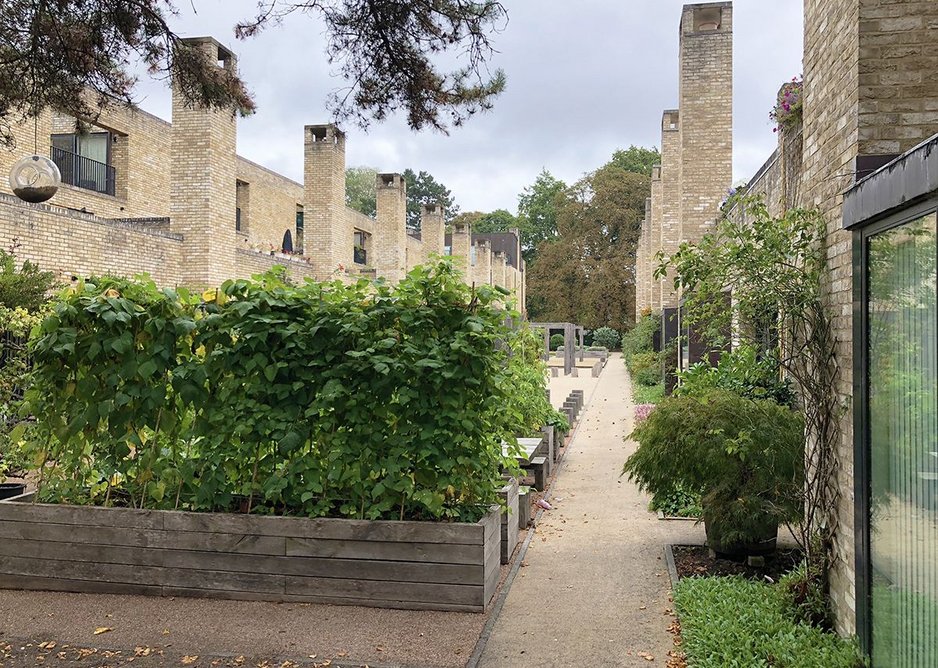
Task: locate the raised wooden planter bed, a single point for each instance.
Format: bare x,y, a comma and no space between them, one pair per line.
411,565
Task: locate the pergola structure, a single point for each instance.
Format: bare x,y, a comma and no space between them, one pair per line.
569,332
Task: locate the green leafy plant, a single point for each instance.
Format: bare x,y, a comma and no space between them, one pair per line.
740,371
325,399
640,339
528,407
646,368
556,341
559,422
745,456
804,592
15,326
679,501
652,394
737,622
606,337
23,286
774,267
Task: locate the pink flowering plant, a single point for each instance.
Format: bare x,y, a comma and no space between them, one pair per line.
642,411
787,110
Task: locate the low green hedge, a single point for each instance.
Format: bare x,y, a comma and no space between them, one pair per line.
734,622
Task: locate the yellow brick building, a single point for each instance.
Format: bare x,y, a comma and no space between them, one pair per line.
176,201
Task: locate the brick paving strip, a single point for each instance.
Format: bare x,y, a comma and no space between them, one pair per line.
594,588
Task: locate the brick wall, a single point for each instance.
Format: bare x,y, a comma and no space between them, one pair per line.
324,198
461,238
272,202
499,273
643,264
432,230
898,75
252,262
871,89
202,194
654,237
482,271
71,243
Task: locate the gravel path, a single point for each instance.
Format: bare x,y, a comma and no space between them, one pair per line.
595,588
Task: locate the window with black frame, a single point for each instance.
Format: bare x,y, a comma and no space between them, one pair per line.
84,160
899,438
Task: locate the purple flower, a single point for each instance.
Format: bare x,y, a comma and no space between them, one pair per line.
642,411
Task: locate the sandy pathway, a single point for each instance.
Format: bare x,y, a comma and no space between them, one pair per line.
594,591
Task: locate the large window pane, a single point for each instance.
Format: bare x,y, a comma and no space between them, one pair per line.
904,452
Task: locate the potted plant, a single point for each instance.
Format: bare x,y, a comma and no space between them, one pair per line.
745,456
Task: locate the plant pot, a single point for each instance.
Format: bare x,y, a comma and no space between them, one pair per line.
762,542
10,489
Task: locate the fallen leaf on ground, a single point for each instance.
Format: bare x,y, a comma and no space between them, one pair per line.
189,660
102,629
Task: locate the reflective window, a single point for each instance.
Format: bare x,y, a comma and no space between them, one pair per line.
903,442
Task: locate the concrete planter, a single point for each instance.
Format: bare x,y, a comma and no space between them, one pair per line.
410,565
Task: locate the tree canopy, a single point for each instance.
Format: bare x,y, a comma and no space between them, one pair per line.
422,188
499,220
586,273
636,159
360,190
77,56
537,212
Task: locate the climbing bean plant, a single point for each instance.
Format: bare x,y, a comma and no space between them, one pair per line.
324,399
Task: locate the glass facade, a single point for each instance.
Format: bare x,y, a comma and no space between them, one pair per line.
902,443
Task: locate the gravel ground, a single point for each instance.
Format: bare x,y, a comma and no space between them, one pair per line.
263,634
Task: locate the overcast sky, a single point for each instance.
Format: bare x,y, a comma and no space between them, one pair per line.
585,77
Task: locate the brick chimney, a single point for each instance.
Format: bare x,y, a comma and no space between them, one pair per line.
203,179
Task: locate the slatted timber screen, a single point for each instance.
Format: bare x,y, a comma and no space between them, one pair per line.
410,565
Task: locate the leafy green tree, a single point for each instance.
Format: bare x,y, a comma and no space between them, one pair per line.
388,51
422,188
360,190
586,273
636,159
499,220
25,286
537,213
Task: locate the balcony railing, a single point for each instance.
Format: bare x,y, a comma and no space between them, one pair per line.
82,172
